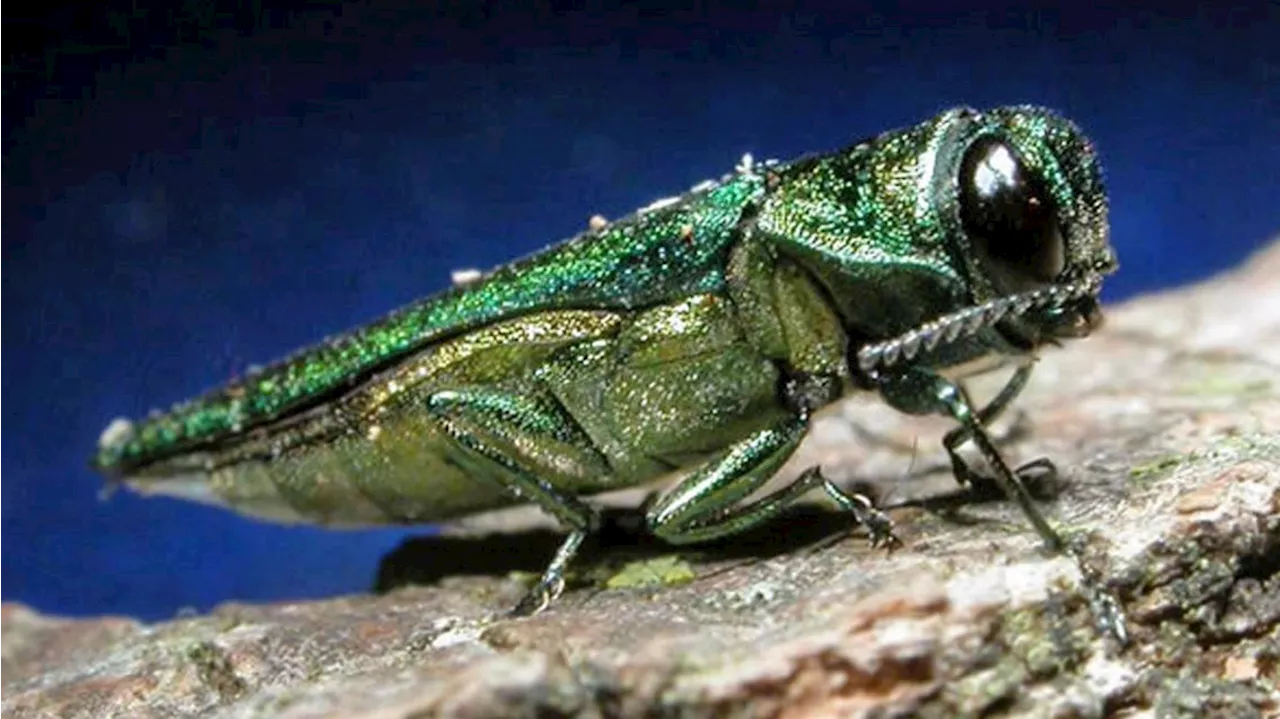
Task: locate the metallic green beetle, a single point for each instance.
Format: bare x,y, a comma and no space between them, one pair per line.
700,333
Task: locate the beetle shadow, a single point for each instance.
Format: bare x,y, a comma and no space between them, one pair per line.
622,537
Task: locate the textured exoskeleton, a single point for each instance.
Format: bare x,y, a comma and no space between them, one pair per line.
699,334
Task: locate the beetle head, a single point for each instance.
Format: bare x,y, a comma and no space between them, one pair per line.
1026,199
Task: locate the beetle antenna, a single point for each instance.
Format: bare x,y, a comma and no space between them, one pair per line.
965,323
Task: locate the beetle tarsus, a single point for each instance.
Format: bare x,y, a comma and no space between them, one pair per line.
551,584
878,525
538,597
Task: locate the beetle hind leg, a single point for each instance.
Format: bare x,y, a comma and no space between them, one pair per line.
518,440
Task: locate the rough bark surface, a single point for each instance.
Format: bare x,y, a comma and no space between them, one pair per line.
1165,426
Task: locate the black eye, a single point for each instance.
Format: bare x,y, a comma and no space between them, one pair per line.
1009,214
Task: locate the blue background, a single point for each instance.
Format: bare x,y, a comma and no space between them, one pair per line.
185,195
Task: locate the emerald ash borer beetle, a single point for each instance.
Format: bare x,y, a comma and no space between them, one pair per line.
697,336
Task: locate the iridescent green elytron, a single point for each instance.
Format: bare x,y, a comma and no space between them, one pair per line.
696,336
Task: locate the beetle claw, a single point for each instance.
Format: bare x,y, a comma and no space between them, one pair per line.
539,596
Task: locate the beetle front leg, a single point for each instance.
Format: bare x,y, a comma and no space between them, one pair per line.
492,427
919,391
1038,471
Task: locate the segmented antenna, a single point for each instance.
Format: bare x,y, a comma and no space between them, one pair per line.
968,322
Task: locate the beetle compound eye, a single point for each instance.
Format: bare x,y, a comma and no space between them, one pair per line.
1008,212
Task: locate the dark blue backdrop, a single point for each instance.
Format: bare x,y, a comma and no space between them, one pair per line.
187,195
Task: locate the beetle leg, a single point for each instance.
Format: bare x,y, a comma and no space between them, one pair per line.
954,401
496,431
1107,610
1014,430
702,507
1038,473
919,391
992,411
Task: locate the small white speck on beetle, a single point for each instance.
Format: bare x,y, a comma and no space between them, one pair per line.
597,223
659,204
465,276
118,431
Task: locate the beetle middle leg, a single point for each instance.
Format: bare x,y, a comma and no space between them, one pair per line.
705,505
501,434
